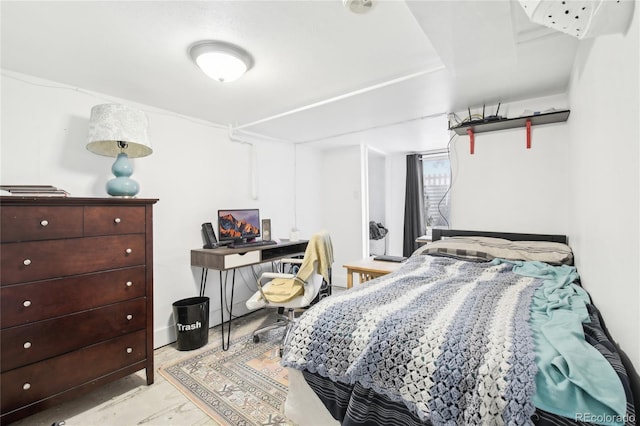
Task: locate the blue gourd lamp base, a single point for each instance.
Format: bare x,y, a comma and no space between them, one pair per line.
122,185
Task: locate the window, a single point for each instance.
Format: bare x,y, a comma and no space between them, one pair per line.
437,180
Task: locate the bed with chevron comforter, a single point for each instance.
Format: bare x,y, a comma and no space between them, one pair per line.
459,342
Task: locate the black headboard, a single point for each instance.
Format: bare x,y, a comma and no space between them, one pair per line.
437,234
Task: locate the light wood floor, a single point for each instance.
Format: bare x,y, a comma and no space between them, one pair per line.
129,401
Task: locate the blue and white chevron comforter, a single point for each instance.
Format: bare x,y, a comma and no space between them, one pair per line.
458,342
450,339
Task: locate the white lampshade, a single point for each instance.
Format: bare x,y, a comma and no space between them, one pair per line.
221,61
119,131
581,18
110,124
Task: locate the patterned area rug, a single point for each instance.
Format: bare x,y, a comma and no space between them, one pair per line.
243,386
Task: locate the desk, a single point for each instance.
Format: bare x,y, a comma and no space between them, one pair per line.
368,269
226,259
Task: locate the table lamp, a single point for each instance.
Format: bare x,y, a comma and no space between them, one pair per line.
119,131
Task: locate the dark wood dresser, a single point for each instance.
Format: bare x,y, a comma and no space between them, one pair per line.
76,297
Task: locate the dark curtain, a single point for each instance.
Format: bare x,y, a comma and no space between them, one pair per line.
414,225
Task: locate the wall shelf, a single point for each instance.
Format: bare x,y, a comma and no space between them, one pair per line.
509,123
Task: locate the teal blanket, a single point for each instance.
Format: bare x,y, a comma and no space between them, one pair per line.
573,378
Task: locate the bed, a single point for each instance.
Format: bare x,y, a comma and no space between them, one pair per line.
474,328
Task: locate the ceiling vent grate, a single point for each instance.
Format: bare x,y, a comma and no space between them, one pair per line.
581,19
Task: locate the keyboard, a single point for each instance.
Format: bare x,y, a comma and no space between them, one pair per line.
252,244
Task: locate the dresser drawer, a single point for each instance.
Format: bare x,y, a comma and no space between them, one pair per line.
22,223
24,262
26,344
102,220
25,303
37,381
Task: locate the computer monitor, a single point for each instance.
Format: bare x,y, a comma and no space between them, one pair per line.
238,225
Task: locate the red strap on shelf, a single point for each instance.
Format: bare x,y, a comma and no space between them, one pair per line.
472,141
528,134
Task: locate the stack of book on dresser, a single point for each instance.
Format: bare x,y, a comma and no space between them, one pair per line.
33,191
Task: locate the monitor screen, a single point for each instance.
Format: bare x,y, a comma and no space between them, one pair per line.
240,224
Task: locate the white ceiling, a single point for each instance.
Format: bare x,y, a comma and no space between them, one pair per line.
321,74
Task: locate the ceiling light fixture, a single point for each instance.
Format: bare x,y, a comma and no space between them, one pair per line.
358,6
220,60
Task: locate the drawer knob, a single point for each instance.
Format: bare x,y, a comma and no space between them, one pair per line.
44,222
26,345
26,386
129,350
129,283
117,220
27,262
26,303
129,317
128,251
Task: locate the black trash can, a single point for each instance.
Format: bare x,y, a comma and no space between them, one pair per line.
192,322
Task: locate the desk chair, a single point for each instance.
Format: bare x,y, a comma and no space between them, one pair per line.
289,292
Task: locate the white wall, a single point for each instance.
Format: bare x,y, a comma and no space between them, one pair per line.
505,187
396,171
376,185
604,181
344,206
309,178
194,171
